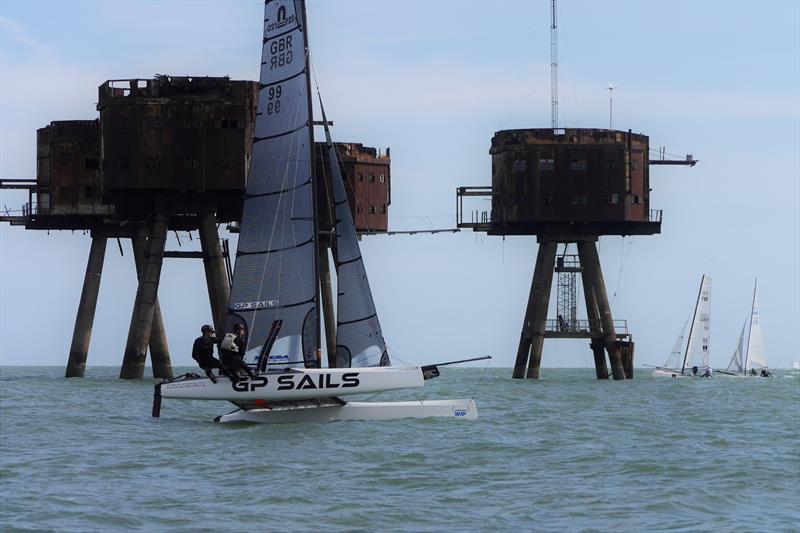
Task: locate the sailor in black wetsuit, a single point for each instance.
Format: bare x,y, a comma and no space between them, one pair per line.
203,352
231,353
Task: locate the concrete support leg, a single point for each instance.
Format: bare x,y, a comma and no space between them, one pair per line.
593,315
532,336
219,290
587,250
82,334
144,306
326,291
159,349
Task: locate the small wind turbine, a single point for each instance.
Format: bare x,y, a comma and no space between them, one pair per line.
610,104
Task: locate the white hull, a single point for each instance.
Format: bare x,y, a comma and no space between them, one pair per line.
295,384
665,373
461,409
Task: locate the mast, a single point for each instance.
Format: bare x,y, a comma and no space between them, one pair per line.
750,329
694,316
315,199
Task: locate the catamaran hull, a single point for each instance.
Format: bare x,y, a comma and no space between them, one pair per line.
295,384
660,373
460,409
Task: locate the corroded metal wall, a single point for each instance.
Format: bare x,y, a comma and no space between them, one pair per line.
589,177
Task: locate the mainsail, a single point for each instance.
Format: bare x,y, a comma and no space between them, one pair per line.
275,276
755,356
359,339
697,350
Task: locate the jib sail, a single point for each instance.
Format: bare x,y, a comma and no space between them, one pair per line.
359,339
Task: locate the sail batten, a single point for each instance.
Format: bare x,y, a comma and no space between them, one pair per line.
275,272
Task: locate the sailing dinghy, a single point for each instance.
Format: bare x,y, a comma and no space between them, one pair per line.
694,360
748,358
275,292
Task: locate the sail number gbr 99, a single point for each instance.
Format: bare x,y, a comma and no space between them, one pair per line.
281,52
290,382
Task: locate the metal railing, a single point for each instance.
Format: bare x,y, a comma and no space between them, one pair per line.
478,218
655,215
564,325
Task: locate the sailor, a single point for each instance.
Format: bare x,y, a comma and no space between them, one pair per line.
231,352
753,372
708,373
694,370
203,352
765,373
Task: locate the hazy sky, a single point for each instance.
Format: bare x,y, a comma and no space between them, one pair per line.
434,81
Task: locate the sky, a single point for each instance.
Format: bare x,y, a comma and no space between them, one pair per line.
434,81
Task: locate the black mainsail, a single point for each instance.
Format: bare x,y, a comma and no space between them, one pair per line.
275,275
359,339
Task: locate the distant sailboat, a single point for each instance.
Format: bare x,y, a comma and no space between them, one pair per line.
694,360
749,358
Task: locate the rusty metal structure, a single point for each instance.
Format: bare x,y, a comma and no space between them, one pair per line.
166,154
568,186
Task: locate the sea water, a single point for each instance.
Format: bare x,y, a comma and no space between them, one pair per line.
565,453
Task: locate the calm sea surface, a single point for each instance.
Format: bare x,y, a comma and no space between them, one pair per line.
566,453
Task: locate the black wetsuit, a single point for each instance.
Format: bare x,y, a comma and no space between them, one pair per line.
234,361
203,353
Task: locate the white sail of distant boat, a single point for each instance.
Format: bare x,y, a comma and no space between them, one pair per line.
749,357
694,359
275,292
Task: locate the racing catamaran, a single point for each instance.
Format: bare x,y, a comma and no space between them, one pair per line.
275,292
749,358
695,360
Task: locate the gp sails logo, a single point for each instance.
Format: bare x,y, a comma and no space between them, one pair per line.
254,306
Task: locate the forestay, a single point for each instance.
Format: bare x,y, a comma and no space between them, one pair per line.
359,339
275,273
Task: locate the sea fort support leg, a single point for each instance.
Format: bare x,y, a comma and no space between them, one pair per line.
144,306
159,349
219,290
593,315
591,262
82,334
532,336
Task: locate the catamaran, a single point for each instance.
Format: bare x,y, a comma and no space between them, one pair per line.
748,358
695,359
276,291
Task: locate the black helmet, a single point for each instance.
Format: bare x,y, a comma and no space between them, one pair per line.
206,327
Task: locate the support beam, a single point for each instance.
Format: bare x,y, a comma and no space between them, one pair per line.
144,305
326,291
159,349
219,290
532,336
591,263
593,315
82,334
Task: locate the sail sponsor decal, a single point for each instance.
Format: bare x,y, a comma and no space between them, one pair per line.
254,306
300,382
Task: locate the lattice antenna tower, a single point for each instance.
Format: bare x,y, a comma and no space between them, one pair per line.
554,64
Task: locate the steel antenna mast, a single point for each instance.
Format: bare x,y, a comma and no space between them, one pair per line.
553,64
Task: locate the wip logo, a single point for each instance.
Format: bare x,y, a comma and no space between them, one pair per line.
250,384
459,412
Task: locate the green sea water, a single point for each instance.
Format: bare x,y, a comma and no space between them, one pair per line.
566,453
